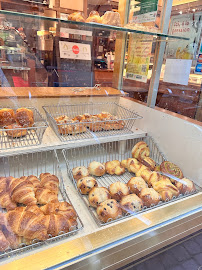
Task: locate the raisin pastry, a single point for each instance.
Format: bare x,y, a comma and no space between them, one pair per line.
166,189
118,190
185,186
131,203
98,195
96,168
172,169
149,162
109,210
86,184
149,196
136,184
80,172
114,167
140,151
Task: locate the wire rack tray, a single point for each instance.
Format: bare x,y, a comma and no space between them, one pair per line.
34,164
72,111
33,137
118,150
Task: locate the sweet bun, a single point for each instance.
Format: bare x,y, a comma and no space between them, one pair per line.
185,186
15,131
96,168
114,167
133,165
149,196
118,190
172,169
98,195
86,184
140,151
131,203
76,16
166,189
136,184
94,17
24,117
109,210
149,162
80,172
7,117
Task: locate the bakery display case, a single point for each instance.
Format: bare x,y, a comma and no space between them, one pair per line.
91,178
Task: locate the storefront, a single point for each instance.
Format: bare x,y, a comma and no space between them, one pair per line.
100,131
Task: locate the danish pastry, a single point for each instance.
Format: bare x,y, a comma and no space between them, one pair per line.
149,196
136,184
131,203
24,117
149,162
15,131
7,117
80,172
166,189
109,210
146,174
185,186
98,195
118,190
133,165
96,168
139,172
140,151
172,169
86,184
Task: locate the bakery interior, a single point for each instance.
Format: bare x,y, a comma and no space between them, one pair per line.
100,131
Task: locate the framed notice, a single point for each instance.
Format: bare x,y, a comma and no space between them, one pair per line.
77,51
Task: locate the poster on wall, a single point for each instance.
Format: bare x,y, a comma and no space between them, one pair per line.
144,11
76,51
198,69
139,52
189,26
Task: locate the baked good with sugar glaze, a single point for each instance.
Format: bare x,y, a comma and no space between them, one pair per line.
86,184
109,210
136,184
131,203
98,195
149,196
96,168
149,163
118,190
80,172
166,189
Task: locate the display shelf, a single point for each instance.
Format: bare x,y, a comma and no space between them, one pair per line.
91,26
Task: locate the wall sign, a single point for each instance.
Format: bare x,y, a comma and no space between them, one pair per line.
72,50
198,69
144,11
64,32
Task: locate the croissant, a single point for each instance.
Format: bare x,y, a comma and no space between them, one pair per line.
33,179
5,199
4,243
22,191
50,181
44,196
63,208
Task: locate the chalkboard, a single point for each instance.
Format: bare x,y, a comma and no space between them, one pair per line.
72,73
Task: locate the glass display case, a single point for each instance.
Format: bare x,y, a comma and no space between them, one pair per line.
100,132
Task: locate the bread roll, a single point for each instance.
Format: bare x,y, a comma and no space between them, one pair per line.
140,151
15,131
7,117
118,190
149,197
86,184
24,117
185,186
98,195
80,172
109,210
94,17
131,203
96,168
136,184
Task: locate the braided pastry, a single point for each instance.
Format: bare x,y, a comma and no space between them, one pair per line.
5,198
44,196
140,151
50,182
172,169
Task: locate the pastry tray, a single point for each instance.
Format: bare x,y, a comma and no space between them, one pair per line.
35,163
71,111
34,134
118,150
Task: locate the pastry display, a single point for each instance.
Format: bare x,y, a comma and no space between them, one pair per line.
76,16
86,184
140,151
98,195
96,168
131,203
185,186
166,189
7,117
15,131
136,184
94,17
118,190
149,197
114,167
80,172
24,117
109,210
111,18
170,168
67,126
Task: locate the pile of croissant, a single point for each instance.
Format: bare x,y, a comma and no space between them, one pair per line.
80,123
33,210
150,185
14,121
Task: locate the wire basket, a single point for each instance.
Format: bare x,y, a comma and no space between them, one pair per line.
34,164
33,136
127,116
118,150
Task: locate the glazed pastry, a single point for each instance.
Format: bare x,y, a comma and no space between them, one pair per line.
172,169
131,203
15,131
124,163
166,189
118,190
185,186
24,117
148,162
136,184
111,18
7,117
140,151
157,168
86,184
44,196
94,17
76,16
109,210
98,195
114,167
50,182
154,177
146,174
139,172
96,168
80,172
149,196
133,165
